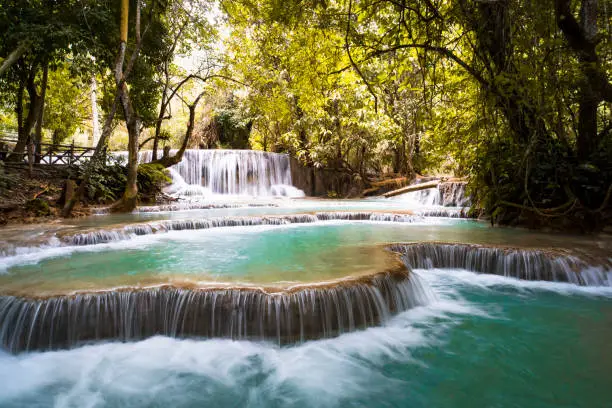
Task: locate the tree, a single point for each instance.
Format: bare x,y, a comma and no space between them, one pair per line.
67,105
300,95
188,28
35,35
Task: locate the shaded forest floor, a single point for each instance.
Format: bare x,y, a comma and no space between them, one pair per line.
26,199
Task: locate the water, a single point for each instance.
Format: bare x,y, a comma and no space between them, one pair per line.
428,197
446,194
207,173
300,303
483,343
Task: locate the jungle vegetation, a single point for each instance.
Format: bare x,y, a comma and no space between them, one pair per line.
514,95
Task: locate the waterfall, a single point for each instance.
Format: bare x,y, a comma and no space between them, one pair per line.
229,172
127,232
182,206
527,264
428,197
446,194
293,315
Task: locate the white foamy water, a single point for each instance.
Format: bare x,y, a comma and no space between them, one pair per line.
328,373
492,281
423,198
219,172
174,372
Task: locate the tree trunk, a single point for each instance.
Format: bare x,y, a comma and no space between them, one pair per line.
168,161
587,141
97,156
121,96
129,200
491,22
41,113
595,87
160,117
158,124
14,56
95,124
17,154
25,130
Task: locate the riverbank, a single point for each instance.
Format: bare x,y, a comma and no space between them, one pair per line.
28,199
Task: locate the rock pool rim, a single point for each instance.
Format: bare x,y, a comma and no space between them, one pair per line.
521,262
65,236
127,231
305,312
395,269
288,315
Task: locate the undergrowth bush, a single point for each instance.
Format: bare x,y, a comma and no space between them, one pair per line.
108,179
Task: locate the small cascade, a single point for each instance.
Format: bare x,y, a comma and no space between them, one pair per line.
527,264
452,194
229,172
446,194
181,206
292,315
428,197
132,230
443,212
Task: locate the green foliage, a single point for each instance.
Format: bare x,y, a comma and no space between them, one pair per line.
151,179
301,98
38,207
500,91
232,125
145,90
107,180
66,103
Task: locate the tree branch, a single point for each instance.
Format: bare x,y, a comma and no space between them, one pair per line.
348,52
13,57
440,50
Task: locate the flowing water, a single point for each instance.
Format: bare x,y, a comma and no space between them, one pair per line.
224,301
483,342
209,173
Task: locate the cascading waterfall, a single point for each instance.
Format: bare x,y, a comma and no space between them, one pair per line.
229,172
129,231
527,264
197,206
126,232
294,314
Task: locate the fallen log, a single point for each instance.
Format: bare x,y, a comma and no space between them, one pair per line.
411,188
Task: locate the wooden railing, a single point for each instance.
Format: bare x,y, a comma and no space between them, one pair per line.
46,153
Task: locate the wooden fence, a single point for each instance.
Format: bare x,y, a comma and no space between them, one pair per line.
46,153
